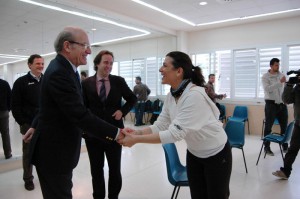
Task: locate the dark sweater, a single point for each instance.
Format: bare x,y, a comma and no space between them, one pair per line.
5,96
25,99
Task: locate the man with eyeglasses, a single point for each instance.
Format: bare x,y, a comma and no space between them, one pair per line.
63,117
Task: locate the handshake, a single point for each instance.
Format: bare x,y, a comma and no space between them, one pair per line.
128,137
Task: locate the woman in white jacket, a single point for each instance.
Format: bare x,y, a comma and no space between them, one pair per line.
189,114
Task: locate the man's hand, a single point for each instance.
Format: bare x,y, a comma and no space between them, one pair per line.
28,135
128,140
118,115
283,79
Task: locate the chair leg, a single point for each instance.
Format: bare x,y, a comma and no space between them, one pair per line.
280,147
175,188
177,192
244,160
248,127
262,130
259,153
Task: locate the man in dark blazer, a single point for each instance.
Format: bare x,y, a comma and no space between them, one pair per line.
111,110
63,117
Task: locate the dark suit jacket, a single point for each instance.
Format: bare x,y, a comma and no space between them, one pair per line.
118,90
62,118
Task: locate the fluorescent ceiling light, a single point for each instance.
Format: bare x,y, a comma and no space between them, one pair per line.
12,56
85,16
203,3
249,17
164,12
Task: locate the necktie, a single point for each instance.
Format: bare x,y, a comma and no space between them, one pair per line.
102,93
77,75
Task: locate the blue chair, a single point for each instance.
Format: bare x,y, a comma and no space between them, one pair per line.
177,175
130,112
223,110
236,136
157,107
148,110
240,114
276,122
277,138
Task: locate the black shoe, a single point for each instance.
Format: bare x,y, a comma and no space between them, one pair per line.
268,151
29,186
8,157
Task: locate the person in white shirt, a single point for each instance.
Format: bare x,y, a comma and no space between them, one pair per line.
189,114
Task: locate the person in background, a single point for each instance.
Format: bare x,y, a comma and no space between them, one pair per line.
83,75
141,91
209,158
273,82
5,105
291,95
25,106
109,108
210,90
56,133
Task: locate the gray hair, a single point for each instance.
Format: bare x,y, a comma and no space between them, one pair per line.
65,35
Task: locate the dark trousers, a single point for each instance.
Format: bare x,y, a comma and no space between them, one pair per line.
4,130
97,151
58,186
27,166
209,177
139,112
273,111
293,150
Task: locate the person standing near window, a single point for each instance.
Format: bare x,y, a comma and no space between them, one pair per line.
102,94
25,106
273,83
141,91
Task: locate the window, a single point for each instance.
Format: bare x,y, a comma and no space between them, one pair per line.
294,57
152,70
126,72
115,68
223,72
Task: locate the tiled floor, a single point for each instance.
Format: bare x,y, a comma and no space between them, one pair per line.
145,176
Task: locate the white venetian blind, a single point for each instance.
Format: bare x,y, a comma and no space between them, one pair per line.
126,72
294,58
223,72
245,74
152,70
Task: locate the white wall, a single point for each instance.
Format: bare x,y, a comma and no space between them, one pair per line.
280,31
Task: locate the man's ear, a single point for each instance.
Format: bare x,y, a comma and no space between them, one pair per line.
67,46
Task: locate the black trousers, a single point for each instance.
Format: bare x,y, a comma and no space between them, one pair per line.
56,186
97,150
209,177
272,111
293,150
4,130
27,166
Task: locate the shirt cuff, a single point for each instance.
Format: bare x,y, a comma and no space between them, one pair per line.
119,130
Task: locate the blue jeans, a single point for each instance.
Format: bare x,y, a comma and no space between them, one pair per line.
139,112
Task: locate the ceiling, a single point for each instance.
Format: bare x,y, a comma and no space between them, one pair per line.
27,29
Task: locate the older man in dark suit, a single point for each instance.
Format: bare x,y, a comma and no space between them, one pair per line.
63,117
103,95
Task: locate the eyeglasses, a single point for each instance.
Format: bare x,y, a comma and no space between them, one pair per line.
86,46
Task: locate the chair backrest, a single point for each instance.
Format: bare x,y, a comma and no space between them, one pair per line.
222,110
235,132
288,132
241,112
172,161
156,105
148,106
